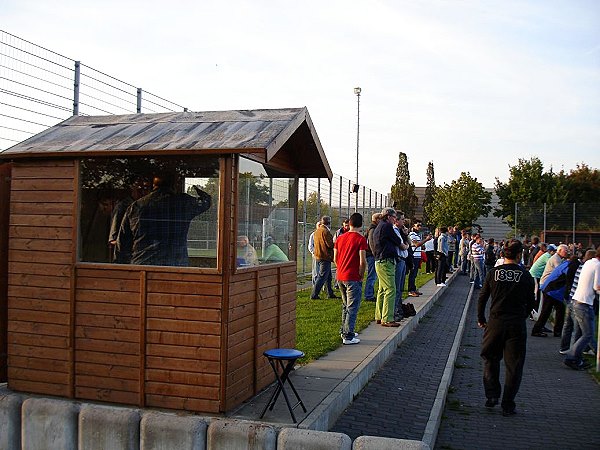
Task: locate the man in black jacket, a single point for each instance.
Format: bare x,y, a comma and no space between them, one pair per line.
512,290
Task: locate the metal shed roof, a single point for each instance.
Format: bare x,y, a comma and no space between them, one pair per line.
283,136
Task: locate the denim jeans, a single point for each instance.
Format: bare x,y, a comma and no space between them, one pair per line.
479,272
412,275
323,278
351,295
463,264
571,331
371,277
400,276
584,315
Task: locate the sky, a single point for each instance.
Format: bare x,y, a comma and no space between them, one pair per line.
470,85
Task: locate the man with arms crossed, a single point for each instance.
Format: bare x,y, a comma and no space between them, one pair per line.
350,257
511,288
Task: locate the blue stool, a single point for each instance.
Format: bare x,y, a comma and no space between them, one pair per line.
287,358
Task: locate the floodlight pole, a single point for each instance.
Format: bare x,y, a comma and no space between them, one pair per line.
357,91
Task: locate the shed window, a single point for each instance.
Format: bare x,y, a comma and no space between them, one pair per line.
160,211
266,202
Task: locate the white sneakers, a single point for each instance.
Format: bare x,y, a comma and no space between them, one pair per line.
354,340
441,285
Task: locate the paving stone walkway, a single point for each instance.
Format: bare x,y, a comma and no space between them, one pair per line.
397,401
558,408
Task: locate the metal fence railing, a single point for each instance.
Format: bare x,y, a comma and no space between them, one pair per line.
39,88
565,222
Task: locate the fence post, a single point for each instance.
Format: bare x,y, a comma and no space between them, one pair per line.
545,239
349,191
573,223
318,197
304,234
139,100
331,197
76,88
516,237
341,187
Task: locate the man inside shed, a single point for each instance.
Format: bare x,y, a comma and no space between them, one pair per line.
154,229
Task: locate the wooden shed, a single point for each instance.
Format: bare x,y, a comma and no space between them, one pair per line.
83,324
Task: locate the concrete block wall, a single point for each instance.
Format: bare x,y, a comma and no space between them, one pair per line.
34,423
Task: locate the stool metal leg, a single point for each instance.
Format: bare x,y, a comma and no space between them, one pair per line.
280,388
285,377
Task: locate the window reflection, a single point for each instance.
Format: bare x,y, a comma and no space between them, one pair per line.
265,218
151,211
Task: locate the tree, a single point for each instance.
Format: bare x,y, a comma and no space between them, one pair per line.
527,184
459,203
403,191
312,216
429,191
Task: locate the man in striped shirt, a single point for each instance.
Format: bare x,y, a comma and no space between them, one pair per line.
478,253
416,242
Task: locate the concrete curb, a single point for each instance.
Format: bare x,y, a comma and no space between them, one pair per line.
159,431
10,420
323,417
49,423
104,427
240,435
381,443
435,417
293,439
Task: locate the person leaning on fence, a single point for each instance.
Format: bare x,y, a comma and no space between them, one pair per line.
350,257
324,256
385,243
511,289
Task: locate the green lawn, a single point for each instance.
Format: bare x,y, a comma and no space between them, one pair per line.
318,321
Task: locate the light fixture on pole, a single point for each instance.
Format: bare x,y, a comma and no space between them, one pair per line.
356,186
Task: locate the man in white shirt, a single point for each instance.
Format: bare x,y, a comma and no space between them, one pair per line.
583,307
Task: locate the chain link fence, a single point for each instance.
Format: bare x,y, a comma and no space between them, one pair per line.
554,223
39,88
339,199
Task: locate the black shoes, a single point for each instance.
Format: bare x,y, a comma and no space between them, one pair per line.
491,402
538,334
509,412
577,365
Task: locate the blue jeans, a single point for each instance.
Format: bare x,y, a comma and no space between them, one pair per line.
479,272
584,315
463,264
412,275
399,280
323,278
351,295
371,277
571,331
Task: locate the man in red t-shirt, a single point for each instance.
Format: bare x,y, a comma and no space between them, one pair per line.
350,257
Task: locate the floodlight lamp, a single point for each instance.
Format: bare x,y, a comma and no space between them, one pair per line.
357,90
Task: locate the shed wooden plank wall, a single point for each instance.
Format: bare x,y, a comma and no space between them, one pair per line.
39,277
183,341
4,215
262,313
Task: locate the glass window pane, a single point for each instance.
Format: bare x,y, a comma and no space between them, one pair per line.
151,211
266,199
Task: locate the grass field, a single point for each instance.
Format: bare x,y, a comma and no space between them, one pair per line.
318,321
